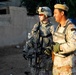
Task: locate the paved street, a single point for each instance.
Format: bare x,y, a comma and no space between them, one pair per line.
12,62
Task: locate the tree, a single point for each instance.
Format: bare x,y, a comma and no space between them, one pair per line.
31,5
72,9
71,4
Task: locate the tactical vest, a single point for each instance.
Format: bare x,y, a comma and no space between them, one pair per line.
45,36
61,37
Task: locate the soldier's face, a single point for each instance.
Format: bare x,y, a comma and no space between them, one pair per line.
57,15
41,17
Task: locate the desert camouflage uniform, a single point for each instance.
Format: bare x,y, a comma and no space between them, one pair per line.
65,61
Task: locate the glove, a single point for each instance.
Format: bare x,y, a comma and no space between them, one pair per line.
56,47
47,51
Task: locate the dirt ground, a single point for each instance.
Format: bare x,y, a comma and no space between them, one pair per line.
12,61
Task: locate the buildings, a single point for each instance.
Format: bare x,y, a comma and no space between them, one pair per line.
14,22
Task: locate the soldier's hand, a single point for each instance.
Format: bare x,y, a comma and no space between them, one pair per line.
47,51
56,47
25,55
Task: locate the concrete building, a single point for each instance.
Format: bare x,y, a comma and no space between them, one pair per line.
14,23
10,2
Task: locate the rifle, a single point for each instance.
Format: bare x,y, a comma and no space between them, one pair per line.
33,53
37,60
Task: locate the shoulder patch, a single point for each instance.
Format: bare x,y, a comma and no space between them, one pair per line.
73,29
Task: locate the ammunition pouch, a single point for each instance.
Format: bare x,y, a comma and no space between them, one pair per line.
47,51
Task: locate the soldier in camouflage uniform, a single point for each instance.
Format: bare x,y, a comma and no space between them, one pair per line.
64,48
42,39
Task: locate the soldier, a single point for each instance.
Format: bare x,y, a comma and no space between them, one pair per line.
41,39
64,47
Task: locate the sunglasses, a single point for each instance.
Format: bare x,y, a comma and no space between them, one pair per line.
41,14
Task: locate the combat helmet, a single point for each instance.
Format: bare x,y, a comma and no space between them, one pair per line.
45,10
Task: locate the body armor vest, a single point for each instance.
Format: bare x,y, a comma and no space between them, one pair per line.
45,35
60,37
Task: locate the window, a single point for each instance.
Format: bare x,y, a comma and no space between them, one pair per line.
3,0
4,10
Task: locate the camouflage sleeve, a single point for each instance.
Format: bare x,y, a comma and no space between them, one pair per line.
52,29
51,38
35,28
35,33
70,45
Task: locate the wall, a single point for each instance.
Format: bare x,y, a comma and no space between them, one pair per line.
10,3
15,26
